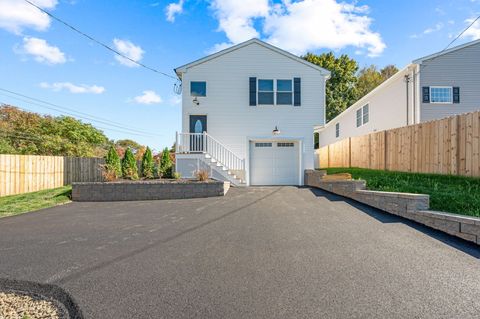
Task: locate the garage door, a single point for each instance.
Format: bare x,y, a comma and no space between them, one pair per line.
274,163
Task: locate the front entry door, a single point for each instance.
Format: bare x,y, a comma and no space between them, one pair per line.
198,125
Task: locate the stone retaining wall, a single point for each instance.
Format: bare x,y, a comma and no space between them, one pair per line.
410,206
146,190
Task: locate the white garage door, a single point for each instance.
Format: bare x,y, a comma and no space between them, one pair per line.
274,163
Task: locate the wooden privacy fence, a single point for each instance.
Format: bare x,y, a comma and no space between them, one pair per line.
446,146
29,173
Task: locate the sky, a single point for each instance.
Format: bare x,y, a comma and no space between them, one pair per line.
43,59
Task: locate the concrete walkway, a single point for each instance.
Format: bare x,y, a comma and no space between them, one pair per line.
272,252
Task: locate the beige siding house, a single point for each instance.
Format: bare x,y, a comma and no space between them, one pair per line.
433,87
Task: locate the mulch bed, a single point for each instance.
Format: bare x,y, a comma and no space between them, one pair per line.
20,305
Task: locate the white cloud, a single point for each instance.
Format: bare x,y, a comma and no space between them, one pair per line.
174,9
298,26
474,32
15,15
42,51
128,49
148,97
176,100
73,88
437,27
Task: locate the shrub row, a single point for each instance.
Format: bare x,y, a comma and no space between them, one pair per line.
115,167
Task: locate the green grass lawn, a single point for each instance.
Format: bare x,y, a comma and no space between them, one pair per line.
18,204
453,194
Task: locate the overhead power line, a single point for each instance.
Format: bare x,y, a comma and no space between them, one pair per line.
461,33
69,111
106,46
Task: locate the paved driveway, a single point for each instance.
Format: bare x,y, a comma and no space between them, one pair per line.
273,252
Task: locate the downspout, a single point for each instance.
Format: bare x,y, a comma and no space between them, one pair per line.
407,81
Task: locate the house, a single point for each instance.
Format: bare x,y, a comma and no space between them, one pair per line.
248,114
433,87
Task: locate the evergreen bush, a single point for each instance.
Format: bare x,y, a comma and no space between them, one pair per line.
113,165
129,165
148,164
166,165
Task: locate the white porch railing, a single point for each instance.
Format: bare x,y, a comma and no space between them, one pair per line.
192,143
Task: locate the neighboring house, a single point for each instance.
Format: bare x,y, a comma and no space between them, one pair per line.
433,87
248,115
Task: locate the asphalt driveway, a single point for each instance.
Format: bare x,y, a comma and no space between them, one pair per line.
272,252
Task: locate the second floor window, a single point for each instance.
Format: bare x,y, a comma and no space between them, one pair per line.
284,92
265,92
198,88
441,94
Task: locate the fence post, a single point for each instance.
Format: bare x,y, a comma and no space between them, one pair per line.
385,150
349,152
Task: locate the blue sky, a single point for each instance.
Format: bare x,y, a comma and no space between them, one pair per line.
41,58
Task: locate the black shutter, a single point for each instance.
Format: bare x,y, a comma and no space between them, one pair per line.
426,94
456,95
297,92
253,91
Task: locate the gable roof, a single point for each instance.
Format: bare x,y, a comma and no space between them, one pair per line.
435,55
183,68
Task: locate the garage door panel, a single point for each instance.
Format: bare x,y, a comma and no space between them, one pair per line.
274,163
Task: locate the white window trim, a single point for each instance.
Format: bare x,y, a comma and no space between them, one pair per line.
361,116
199,96
274,92
441,87
258,92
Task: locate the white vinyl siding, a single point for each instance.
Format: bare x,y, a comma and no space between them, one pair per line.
233,122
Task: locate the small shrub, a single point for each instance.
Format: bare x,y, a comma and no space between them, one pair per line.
202,175
148,166
165,168
129,165
177,175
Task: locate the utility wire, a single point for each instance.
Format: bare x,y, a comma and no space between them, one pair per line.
461,33
99,42
72,112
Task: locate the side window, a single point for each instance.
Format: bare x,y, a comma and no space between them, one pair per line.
284,92
363,115
441,94
359,117
198,88
337,130
265,92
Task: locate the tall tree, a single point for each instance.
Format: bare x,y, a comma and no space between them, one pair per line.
340,88
370,77
127,143
24,132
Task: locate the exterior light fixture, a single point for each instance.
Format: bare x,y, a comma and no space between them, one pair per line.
276,131
196,101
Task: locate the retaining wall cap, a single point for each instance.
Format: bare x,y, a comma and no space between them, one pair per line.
395,194
449,216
